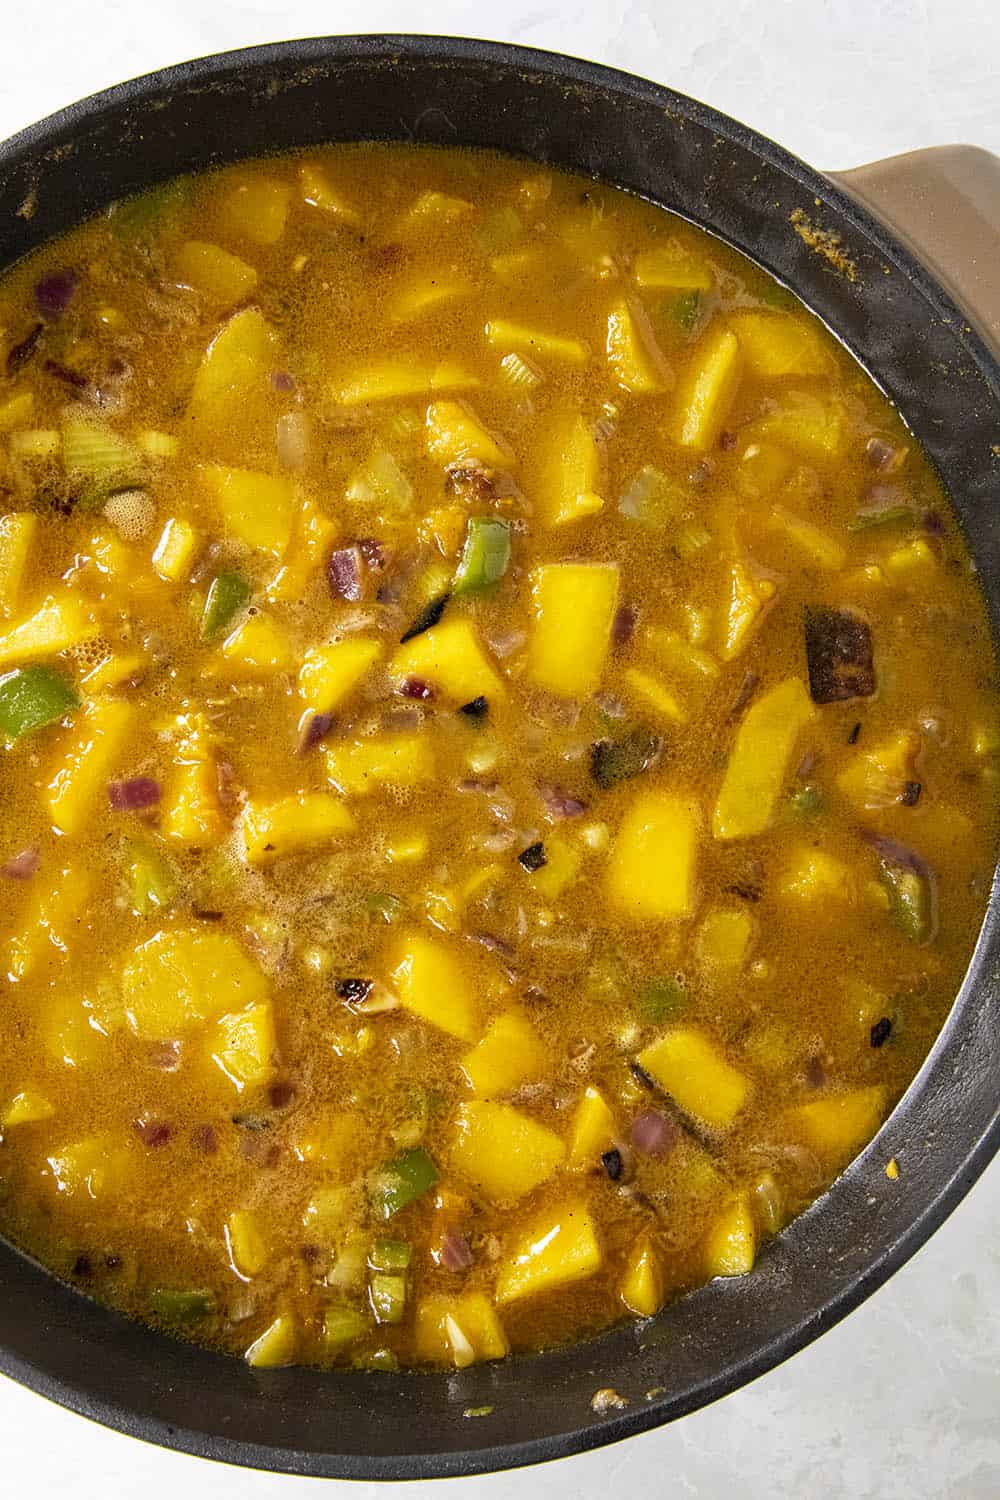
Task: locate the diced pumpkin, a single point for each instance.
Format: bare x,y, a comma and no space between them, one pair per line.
503,334
723,940
258,647
17,532
815,877
61,622
635,359
319,192
671,268
246,1244
184,976
876,778
511,1053
592,1132
558,1248
913,563
651,692
561,867
731,1243
230,387
257,509
707,389
276,1345
451,659
818,545
777,344
96,1167
74,1037
430,981
50,920
175,551
478,1328
748,597
569,471
92,751
422,294
678,653
17,410
359,767
812,425
313,536
299,824
393,379
329,674
692,1070
760,760
502,1152
837,1126
573,608
652,867
27,1107
455,436
432,209
256,209
210,269
244,1045
330,1142
189,810
643,1290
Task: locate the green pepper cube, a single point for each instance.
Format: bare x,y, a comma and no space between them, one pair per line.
401,1181
388,1298
151,884
228,593
342,1325
911,900
390,1255
32,697
176,1306
485,556
659,999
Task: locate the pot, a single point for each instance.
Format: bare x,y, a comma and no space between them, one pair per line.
923,315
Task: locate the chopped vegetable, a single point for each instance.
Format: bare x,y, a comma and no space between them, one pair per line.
484,559
839,654
613,761
228,595
401,1181
178,1306
32,697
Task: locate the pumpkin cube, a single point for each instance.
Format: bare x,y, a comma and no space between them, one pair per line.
256,209
663,702
183,976
592,1132
776,344
17,532
458,1330
813,426
723,940
569,472
94,748
258,647
276,1345
319,192
671,269
245,1243
819,546
651,874
636,361
359,767
744,611
396,379
431,210
330,1142
422,294
877,778
503,334
455,436
61,622
642,1288
231,395
501,1152
189,810
114,670
731,1243
511,1053
707,389
431,982
561,867
74,1038
839,1125
812,875
50,920
559,1248
450,658
313,536
175,551
96,1167
330,673
223,277
299,824
692,1070
26,1108
573,608
258,509
244,1046
760,760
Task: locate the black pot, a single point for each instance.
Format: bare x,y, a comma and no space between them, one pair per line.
895,316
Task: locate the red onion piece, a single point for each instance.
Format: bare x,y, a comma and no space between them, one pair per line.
315,729
280,1095
72,378
373,553
559,804
154,1133
134,795
203,1139
416,687
164,1056
21,352
54,293
455,1253
23,865
654,1134
623,626
343,573
281,380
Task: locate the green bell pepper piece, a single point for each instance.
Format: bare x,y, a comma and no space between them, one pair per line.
175,1306
228,593
485,556
402,1180
32,697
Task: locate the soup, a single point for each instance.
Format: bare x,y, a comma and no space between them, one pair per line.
500,772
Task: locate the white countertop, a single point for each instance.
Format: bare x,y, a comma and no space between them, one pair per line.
901,1401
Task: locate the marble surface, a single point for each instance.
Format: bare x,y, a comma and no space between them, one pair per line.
900,1402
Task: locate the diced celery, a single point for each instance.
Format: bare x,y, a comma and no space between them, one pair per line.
485,556
176,1306
390,1255
35,442
92,452
382,482
388,1297
653,498
383,906
660,999
401,1181
228,594
152,886
342,1325
32,697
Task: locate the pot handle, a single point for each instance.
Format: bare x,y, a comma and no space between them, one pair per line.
944,204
